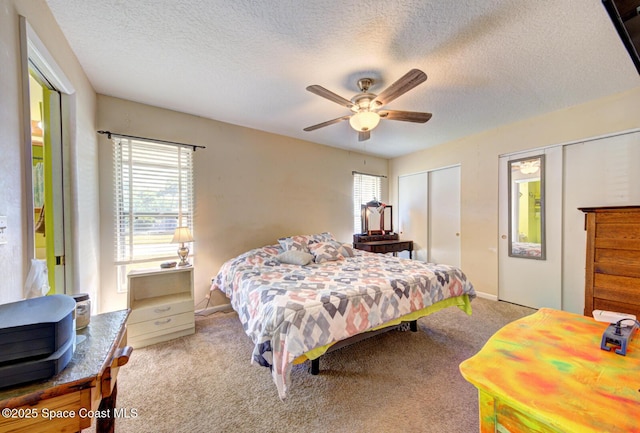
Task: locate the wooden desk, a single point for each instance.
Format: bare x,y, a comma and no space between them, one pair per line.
67,401
386,246
382,243
546,373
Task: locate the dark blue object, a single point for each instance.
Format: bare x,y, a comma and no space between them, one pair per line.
617,336
37,338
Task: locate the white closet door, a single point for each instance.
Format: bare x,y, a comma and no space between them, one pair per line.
602,172
429,214
444,216
524,281
413,213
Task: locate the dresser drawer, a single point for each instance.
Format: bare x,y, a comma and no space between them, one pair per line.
160,324
400,246
160,310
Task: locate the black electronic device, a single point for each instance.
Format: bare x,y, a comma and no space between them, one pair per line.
37,338
618,336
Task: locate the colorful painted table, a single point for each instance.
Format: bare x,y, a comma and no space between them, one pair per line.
547,373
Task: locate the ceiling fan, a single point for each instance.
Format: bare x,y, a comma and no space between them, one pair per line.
366,107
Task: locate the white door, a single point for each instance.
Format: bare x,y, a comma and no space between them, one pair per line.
524,277
413,213
444,216
429,214
601,172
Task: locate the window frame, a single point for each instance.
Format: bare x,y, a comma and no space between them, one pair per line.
364,184
153,181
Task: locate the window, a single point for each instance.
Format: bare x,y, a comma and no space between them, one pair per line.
153,185
366,187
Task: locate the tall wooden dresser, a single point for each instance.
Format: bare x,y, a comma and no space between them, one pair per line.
612,280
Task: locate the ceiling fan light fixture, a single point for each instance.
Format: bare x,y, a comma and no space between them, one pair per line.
365,105
529,167
364,121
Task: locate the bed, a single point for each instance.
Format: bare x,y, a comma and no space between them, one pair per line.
298,298
527,249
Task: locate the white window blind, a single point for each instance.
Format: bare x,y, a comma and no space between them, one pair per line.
153,186
365,188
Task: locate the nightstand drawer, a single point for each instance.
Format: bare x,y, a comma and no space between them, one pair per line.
160,310
160,324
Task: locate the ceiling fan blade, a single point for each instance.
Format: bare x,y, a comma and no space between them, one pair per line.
405,116
407,82
364,135
328,94
327,123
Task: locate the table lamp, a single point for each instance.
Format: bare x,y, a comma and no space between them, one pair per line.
180,236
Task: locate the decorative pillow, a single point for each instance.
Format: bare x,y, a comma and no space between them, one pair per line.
347,250
293,257
294,243
325,251
321,237
301,242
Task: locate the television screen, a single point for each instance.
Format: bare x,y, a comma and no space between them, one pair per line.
625,15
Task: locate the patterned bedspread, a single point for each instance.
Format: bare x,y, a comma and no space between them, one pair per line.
288,310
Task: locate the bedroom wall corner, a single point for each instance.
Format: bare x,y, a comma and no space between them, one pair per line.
251,187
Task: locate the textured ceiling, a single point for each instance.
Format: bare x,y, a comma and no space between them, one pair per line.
248,62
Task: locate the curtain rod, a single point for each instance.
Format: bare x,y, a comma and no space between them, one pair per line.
369,174
115,134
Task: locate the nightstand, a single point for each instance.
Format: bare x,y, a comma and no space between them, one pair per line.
161,303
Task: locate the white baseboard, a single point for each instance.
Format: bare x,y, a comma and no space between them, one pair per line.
487,296
211,310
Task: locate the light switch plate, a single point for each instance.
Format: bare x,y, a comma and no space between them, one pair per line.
3,230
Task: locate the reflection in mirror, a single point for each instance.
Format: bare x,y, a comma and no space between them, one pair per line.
377,218
526,208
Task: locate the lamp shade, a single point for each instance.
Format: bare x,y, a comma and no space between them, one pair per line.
182,234
364,121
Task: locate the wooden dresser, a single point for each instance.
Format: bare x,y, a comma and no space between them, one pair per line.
612,280
546,373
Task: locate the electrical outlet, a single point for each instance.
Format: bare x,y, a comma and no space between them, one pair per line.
3,230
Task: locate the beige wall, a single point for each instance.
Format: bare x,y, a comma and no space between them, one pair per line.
82,184
478,157
251,187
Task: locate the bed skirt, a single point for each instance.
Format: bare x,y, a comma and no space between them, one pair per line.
463,302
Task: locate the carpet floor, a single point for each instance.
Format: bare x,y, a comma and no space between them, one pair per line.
394,382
